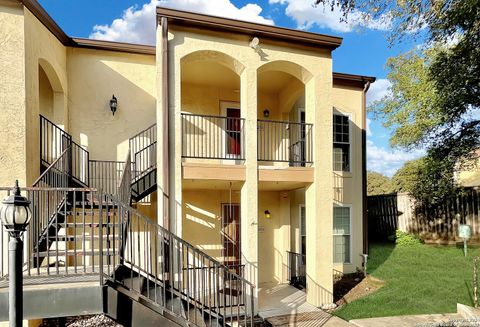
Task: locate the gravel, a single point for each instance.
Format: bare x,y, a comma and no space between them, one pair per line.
81,321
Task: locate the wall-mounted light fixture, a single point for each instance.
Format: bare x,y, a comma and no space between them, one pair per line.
113,104
267,214
266,113
255,44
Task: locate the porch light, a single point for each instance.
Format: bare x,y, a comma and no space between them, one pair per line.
15,213
266,113
113,104
267,214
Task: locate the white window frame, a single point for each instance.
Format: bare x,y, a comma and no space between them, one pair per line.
349,206
299,242
337,112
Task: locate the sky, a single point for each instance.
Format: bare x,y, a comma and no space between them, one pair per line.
364,50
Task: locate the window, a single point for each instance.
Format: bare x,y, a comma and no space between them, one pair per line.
341,142
341,234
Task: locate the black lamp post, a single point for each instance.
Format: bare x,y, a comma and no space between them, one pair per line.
15,215
113,104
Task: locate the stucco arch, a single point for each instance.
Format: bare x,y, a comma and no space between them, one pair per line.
294,69
52,101
51,74
216,57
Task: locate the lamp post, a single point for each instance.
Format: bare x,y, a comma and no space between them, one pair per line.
15,215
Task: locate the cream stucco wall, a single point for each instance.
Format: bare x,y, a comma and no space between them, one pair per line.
315,73
348,185
42,48
202,218
94,76
13,163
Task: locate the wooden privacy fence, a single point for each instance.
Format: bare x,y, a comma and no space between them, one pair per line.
431,222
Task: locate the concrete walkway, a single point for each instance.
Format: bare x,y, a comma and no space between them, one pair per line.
284,305
410,321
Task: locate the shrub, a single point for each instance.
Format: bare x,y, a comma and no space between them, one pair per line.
405,239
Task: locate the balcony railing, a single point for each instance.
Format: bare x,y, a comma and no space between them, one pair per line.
280,141
296,267
212,137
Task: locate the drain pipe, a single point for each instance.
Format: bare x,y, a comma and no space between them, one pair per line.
166,124
364,167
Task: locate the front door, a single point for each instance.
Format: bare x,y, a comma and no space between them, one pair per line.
231,235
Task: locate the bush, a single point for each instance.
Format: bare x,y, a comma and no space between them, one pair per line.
405,239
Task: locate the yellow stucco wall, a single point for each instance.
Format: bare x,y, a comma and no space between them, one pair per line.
42,48
315,72
348,185
12,95
202,218
94,76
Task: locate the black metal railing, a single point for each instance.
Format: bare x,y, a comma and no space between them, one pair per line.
219,295
281,141
61,239
53,141
141,140
79,161
213,137
105,175
124,188
144,160
296,269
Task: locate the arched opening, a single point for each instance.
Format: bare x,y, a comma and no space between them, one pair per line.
212,127
50,94
284,136
284,140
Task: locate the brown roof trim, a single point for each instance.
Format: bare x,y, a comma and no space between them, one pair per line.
231,25
352,80
38,11
113,46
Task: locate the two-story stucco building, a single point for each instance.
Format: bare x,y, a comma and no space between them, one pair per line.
243,141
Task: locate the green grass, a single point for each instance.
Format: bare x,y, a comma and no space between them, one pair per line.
419,279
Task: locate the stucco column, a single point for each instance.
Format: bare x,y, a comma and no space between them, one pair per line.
284,233
319,194
249,192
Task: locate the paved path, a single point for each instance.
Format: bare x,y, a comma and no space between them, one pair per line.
408,321
285,306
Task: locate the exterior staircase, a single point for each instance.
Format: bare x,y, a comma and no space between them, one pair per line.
84,230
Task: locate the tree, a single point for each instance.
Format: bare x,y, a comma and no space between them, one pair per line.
377,183
436,93
405,179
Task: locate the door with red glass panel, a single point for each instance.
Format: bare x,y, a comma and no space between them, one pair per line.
231,235
233,142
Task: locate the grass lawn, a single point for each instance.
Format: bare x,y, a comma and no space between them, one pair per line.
419,279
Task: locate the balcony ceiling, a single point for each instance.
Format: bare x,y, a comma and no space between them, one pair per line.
210,74
274,81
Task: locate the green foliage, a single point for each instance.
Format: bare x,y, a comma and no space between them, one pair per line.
405,179
435,94
410,108
405,239
417,281
378,183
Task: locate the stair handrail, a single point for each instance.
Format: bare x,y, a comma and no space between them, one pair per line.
124,189
182,269
61,160
54,139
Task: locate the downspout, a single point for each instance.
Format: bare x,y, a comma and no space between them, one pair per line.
364,167
166,124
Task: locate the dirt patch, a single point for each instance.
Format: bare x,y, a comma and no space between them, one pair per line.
358,288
